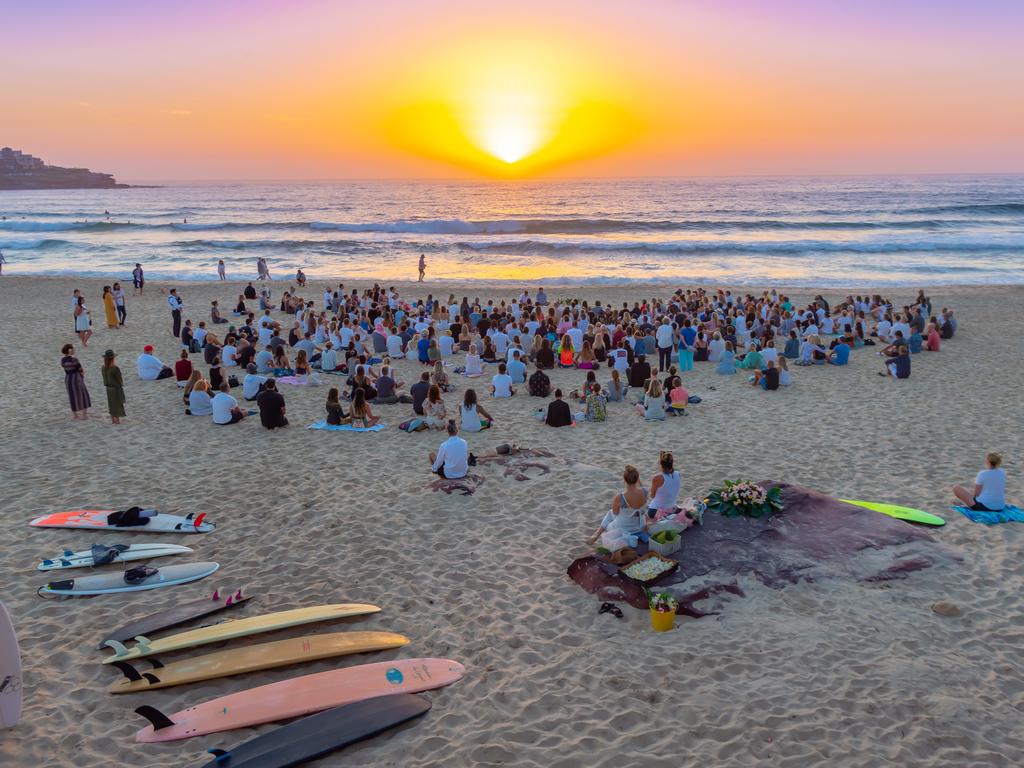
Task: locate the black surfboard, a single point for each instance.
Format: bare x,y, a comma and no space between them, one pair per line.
322,733
174,616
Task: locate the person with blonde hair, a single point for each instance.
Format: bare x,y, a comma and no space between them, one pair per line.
628,514
989,492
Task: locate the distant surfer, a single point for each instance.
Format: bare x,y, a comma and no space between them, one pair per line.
423,267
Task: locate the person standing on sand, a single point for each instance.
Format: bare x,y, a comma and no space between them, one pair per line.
176,306
221,269
122,311
74,382
109,308
138,279
83,325
2,262
423,267
114,383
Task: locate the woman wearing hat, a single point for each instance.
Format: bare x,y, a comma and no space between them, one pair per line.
114,383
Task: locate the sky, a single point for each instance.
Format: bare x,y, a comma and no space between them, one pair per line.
464,88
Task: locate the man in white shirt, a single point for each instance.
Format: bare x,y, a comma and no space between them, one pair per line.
252,383
576,335
452,459
225,407
500,340
501,384
149,366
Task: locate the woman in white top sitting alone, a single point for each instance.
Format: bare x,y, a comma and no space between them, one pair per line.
989,492
471,412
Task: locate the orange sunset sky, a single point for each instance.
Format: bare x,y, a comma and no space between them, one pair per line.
453,88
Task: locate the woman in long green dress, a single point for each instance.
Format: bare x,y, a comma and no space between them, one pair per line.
114,383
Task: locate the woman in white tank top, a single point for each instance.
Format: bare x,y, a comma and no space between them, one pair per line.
665,487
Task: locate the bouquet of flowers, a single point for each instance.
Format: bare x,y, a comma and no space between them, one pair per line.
736,498
662,602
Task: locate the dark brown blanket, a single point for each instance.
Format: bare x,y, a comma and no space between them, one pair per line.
815,536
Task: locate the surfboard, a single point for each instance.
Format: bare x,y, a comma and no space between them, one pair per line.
229,630
237,661
299,696
112,583
320,734
172,617
84,558
909,514
10,672
96,520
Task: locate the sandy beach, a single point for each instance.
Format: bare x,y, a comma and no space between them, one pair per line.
834,672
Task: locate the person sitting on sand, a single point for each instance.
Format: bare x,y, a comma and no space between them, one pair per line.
558,413
616,389
727,365
225,407
839,355
360,414
281,365
440,377
182,369
989,492
451,460
628,515
678,397
193,378
335,414
272,406
653,406
253,383
545,357
474,417
215,314
474,365
566,353
597,404
586,359
199,401
932,338
899,366
540,384
768,379
785,377
501,383
639,372
149,366
434,412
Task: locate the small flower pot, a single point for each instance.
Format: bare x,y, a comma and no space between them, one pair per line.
663,621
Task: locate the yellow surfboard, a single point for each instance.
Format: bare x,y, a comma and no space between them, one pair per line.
229,630
237,661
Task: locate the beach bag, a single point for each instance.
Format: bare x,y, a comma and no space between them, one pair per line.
411,425
233,381
694,399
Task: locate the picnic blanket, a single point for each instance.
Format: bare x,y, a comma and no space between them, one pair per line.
322,424
1008,514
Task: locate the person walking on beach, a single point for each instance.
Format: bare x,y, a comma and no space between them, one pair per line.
138,279
2,262
122,311
220,270
176,306
423,267
114,383
74,382
83,325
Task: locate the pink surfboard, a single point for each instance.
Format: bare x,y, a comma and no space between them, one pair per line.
300,696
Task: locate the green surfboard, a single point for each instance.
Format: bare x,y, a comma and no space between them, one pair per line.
909,514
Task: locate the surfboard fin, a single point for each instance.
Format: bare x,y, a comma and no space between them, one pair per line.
127,670
216,595
155,662
120,649
219,754
156,718
143,643
153,679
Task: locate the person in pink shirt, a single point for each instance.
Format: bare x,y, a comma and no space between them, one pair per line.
932,338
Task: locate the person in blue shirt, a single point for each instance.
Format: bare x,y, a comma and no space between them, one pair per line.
840,354
423,350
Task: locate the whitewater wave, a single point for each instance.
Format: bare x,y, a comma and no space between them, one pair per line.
28,245
281,245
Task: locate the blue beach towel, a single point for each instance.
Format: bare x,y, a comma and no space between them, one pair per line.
1007,514
322,424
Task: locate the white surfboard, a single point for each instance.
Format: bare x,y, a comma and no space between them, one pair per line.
10,672
84,558
110,583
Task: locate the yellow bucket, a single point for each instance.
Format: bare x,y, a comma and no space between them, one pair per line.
663,621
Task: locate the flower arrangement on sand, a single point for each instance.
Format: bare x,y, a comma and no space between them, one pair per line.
662,602
739,498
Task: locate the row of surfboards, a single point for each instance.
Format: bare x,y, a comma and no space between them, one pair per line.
351,703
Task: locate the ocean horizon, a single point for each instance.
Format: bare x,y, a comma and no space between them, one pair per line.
814,231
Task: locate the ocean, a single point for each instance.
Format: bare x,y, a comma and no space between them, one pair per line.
803,231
